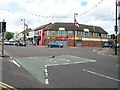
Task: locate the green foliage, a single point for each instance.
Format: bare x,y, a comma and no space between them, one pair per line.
8,35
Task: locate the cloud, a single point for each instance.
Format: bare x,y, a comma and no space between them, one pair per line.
39,12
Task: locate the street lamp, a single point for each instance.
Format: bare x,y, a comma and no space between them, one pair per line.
74,26
24,30
116,27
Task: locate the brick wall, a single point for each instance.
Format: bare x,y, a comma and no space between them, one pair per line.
90,43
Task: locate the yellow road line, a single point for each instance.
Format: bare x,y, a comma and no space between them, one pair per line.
4,85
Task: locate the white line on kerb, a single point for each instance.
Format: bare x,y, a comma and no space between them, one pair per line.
16,63
13,61
46,81
46,71
45,66
108,77
10,57
46,74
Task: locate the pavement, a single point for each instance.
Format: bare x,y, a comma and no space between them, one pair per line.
107,52
5,54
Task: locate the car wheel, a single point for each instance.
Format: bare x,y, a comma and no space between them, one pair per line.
50,46
59,46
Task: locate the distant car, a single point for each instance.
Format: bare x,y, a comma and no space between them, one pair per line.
107,45
9,43
55,44
6,43
20,43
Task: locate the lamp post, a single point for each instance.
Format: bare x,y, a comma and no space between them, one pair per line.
74,27
116,29
24,39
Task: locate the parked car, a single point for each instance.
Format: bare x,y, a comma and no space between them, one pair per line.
55,44
6,43
107,45
18,43
9,43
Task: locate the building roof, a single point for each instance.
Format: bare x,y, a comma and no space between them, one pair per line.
41,27
70,26
26,31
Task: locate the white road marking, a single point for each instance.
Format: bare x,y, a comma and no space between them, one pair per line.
13,61
94,50
11,58
66,60
77,62
46,81
1,58
118,65
74,56
46,71
65,63
46,74
55,64
108,77
45,66
49,65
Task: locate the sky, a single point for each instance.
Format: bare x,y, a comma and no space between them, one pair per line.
39,12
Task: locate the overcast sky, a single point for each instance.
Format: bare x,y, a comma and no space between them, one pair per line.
39,12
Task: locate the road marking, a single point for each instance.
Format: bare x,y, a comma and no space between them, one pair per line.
74,56
11,58
46,81
118,65
13,61
65,63
94,50
46,74
45,66
66,60
3,86
46,71
108,77
55,64
6,86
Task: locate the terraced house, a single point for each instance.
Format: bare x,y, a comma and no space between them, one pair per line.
85,35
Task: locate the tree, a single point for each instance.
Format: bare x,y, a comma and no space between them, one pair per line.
8,35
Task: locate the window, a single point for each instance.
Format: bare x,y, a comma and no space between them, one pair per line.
69,33
86,34
52,32
80,33
61,32
27,34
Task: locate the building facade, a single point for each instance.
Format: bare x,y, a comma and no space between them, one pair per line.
70,35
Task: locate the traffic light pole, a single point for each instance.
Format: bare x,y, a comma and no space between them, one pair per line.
116,29
2,43
2,40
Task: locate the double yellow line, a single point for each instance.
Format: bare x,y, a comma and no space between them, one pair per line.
6,86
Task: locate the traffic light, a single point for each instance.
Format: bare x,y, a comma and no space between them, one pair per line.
3,26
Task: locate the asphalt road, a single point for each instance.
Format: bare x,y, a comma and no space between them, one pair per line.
101,74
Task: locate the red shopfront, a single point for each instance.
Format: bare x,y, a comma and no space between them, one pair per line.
42,37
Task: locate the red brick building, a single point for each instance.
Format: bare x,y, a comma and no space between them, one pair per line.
85,35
